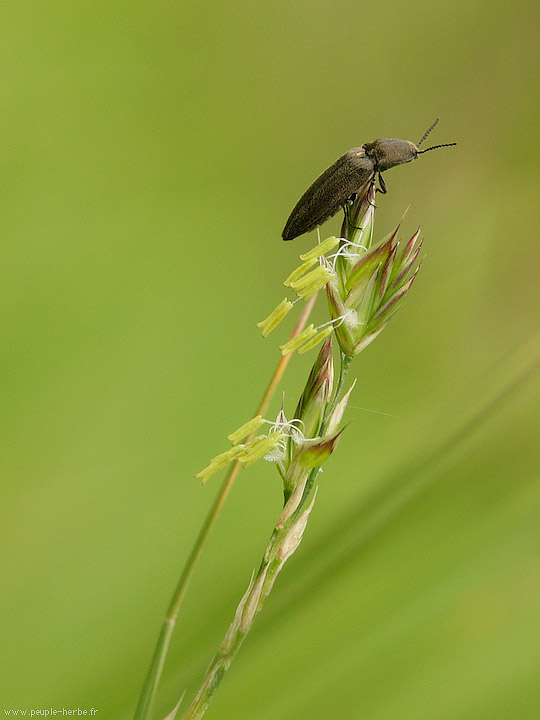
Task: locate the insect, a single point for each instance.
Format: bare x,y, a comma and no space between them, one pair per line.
340,184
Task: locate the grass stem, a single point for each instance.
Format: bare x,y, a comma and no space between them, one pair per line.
148,693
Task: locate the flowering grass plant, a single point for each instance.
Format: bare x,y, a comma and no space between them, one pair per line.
365,282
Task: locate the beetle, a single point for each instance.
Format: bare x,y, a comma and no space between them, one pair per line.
351,174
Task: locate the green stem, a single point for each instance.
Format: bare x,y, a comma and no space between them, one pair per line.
149,689
148,693
345,363
289,527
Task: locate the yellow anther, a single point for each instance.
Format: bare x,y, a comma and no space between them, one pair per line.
302,337
275,317
311,283
316,339
219,462
259,447
299,271
245,429
324,247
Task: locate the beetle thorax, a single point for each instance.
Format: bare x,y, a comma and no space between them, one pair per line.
389,152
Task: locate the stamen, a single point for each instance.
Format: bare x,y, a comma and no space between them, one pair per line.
324,247
259,447
311,283
299,271
246,429
275,317
291,345
219,462
316,340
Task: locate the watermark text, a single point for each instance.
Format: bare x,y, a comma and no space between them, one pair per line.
52,712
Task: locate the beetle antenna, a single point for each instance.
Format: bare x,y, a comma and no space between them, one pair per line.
434,147
424,136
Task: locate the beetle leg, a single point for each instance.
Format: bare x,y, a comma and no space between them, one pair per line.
371,185
382,186
346,211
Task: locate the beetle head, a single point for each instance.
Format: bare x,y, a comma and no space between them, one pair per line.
389,152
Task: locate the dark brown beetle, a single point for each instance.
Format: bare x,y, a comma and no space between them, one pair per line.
348,178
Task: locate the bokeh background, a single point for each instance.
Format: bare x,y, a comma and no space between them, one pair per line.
151,152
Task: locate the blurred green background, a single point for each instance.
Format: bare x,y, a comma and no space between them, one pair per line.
151,153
